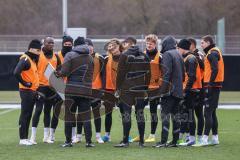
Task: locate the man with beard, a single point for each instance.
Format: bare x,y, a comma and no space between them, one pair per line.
46,94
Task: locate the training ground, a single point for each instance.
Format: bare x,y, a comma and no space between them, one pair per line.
229,134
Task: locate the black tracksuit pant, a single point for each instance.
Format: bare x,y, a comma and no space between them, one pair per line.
97,117
211,121
199,113
126,119
170,109
188,123
193,103
47,103
56,112
84,116
154,117
108,115
28,98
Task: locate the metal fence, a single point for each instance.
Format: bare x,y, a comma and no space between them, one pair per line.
13,44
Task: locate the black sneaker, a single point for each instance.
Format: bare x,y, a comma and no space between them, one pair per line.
159,145
172,144
88,145
141,145
122,145
67,145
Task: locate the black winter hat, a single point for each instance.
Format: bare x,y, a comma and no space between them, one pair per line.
79,41
184,44
35,43
67,39
88,42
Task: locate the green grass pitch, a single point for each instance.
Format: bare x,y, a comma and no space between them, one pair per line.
229,148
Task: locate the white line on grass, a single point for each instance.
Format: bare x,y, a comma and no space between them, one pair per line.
10,106
6,111
221,106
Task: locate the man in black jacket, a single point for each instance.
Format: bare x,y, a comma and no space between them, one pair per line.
191,86
78,68
132,81
97,87
200,98
173,73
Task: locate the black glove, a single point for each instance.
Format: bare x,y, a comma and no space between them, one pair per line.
28,84
208,91
187,92
117,94
57,74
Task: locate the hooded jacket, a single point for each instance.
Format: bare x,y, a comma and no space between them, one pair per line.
133,70
173,68
78,66
133,75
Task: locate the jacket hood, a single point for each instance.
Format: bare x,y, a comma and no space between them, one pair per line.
81,49
133,50
168,43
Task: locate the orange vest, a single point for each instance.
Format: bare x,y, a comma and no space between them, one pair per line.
208,71
97,82
156,80
111,73
42,64
61,56
30,75
201,69
62,60
198,82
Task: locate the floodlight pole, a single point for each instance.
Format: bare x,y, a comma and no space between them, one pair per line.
64,14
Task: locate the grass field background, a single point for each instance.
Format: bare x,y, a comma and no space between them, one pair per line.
13,97
229,133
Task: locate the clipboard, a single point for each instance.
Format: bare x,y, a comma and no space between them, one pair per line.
55,82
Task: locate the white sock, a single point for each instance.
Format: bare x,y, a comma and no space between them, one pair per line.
192,138
215,137
205,138
52,132
152,135
98,134
199,137
34,133
79,135
46,133
74,132
180,135
107,134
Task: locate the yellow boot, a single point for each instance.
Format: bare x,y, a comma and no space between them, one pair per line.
151,138
136,139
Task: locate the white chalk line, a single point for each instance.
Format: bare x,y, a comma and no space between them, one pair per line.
221,106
